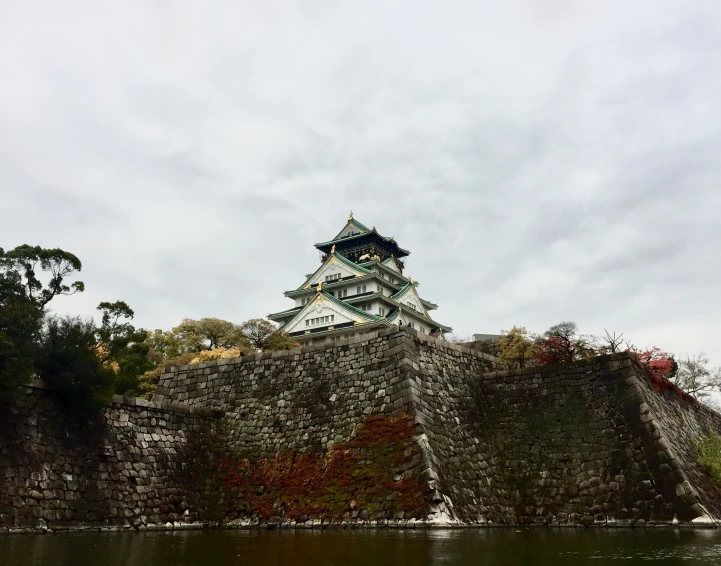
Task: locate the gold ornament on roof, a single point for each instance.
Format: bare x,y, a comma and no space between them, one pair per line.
332,250
411,280
350,216
319,288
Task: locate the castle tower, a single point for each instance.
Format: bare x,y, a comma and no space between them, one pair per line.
359,286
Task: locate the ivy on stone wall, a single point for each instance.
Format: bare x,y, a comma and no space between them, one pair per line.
372,475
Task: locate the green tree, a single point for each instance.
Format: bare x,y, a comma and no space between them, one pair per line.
84,364
20,324
23,298
264,336
58,264
208,334
120,345
517,347
68,363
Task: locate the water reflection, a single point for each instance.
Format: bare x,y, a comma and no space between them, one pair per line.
555,547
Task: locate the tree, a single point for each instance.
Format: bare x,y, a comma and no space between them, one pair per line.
22,302
69,364
264,336
20,324
208,334
517,348
695,377
660,364
84,364
58,263
561,344
610,343
120,345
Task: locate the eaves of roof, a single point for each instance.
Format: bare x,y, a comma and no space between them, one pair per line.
335,284
392,317
373,231
386,269
284,314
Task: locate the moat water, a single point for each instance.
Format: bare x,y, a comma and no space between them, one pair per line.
329,548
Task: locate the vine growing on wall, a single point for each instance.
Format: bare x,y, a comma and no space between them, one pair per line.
375,471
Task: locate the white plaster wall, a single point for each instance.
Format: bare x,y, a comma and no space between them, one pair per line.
331,267
393,265
316,310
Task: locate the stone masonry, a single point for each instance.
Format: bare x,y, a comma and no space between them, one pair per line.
139,464
585,443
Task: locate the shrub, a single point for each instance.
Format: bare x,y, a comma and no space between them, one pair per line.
709,448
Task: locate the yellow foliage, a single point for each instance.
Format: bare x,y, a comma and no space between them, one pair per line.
102,352
220,354
517,348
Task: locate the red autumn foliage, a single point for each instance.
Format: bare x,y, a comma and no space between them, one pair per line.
658,362
372,471
659,366
553,350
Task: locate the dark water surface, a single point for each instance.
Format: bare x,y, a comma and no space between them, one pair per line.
361,547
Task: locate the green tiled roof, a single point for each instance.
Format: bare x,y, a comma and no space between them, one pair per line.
342,259
348,307
394,316
355,223
401,290
331,242
351,308
387,269
370,323
332,285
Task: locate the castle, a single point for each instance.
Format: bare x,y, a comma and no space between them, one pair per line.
360,286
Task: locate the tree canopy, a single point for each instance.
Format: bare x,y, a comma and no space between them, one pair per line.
517,347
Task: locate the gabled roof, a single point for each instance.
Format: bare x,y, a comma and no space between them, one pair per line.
393,318
340,257
352,222
389,260
404,291
350,309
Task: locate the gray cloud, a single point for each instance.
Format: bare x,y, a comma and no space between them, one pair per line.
542,160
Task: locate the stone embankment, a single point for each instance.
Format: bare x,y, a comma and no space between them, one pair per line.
590,443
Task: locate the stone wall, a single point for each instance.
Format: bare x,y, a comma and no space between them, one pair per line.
303,399
136,464
587,443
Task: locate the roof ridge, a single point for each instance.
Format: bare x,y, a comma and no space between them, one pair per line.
350,307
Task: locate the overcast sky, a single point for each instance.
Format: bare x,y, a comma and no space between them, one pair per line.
543,160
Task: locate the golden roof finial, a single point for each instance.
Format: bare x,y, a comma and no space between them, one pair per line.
350,216
411,280
319,288
332,250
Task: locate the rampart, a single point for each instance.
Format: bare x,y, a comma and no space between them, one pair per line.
135,464
586,443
